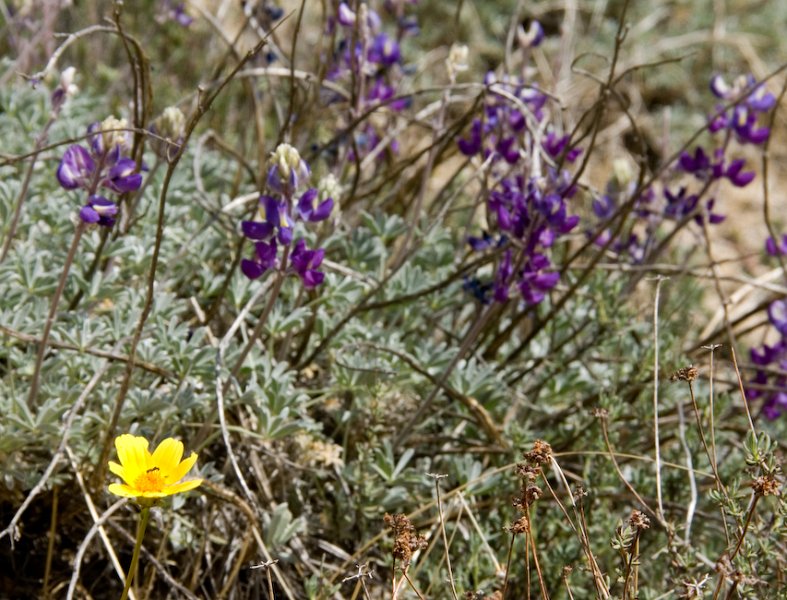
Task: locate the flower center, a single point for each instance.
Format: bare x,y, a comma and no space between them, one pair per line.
151,481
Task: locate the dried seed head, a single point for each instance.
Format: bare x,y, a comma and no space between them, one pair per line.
521,525
540,454
639,521
579,493
685,374
406,539
527,472
766,485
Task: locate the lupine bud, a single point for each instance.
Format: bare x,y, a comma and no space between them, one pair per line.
287,169
457,60
171,126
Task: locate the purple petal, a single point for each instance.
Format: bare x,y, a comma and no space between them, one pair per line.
89,215
719,87
312,279
323,210
251,269
76,167
777,312
255,230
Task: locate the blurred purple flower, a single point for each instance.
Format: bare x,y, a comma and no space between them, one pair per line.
76,168
275,220
775,248
384,50
99,211
264,259
777,313
309,209
305,263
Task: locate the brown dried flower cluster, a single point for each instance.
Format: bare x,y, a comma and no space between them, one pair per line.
541,453
685,374
639,521
766,485
521,525
406,539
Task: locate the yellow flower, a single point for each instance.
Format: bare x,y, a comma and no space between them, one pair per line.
149,475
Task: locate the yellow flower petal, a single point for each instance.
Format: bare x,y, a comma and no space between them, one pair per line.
153,494
183,486
121,489
120,471
167,456
133,454
179,472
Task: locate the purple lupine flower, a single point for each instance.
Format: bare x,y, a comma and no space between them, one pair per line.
777,313
774,399
555,146
744,124
65,89
309,209
305,263
699,163
384,50
76,168
536,281
99,211
680,204
775,248
482,243
502,281
264,259
720,88
508,149
739,178
275,220
713,218
122,177
471,145
532,37
288,170
177,12
345,15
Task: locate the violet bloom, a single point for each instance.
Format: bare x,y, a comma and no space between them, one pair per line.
99,211
76,168
744,124
775,248
264,259
275,221
555,146
305,263
774,399
532,37
345,15
777,313
123,177
310,209
752,100
288,170
471,145
384,50
536,281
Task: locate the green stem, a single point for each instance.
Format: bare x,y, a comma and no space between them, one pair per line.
144,517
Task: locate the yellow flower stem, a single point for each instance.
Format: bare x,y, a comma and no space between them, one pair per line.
144,517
